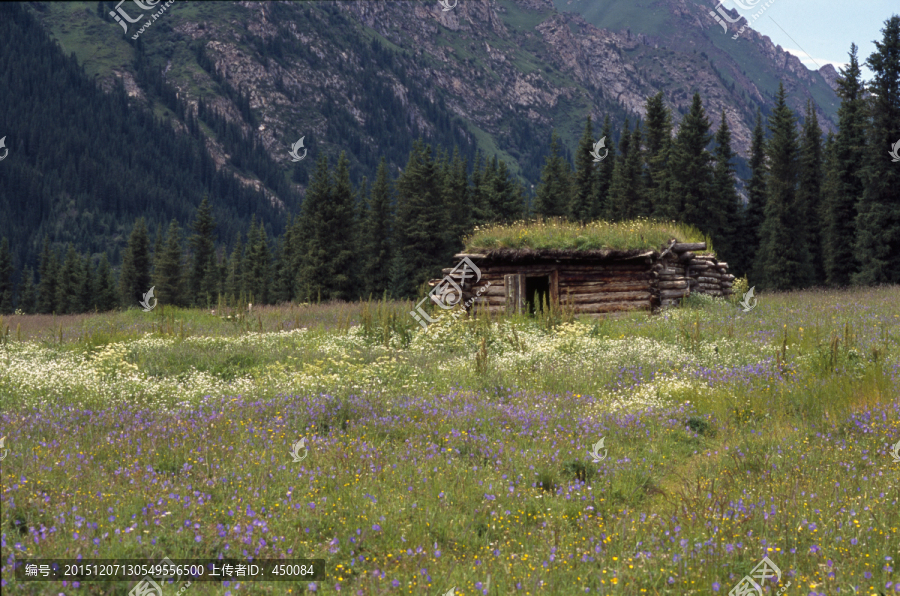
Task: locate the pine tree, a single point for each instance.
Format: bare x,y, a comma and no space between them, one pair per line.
508,201
203,280
878,220
459,202
168,278
377,232
690,169
480,191
555,191
420,222
338,233
312,276
783,261
107,298
283,288
840,209
251,282
627,196
235,272
585,203
721,218
134,281
28,297
658,141
606,169
68,298
48,272
809,190
6,283
87,299
754,212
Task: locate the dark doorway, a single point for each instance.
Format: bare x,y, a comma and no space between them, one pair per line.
537,293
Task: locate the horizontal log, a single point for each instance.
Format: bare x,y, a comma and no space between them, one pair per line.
604,297
673,285
663,294
722,265
708,280
685,257
685,246
588,287
603,278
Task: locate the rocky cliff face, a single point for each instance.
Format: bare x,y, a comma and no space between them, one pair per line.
506,71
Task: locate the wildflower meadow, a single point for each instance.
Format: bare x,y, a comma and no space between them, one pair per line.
641,454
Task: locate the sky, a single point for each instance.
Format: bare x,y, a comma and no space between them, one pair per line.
820,32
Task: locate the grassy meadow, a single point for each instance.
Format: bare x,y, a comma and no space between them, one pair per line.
457,456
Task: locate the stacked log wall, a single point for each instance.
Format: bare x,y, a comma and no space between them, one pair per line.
596,287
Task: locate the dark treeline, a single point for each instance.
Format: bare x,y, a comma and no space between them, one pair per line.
818,212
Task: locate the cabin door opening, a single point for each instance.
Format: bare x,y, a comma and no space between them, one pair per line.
537,293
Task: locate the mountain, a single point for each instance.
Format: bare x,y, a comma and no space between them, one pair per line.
236,84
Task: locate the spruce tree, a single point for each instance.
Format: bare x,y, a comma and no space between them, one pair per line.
585,202
338,233
203,282
68,298
754,212
783,261
658,139
169,275
809,190
420,222
6,283
135,281
606,169
878,220
312,276
283,282
235,272
721,217
107,298
554,193
87,299
459,203
28,296
627,194
840,209
480,200
377,231
251,282
690,169
508,201
48,272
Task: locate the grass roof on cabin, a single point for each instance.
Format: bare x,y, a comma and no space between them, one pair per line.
558,235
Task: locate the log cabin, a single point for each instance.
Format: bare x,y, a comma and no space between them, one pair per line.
589,282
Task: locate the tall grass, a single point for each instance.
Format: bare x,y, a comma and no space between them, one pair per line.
555,233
